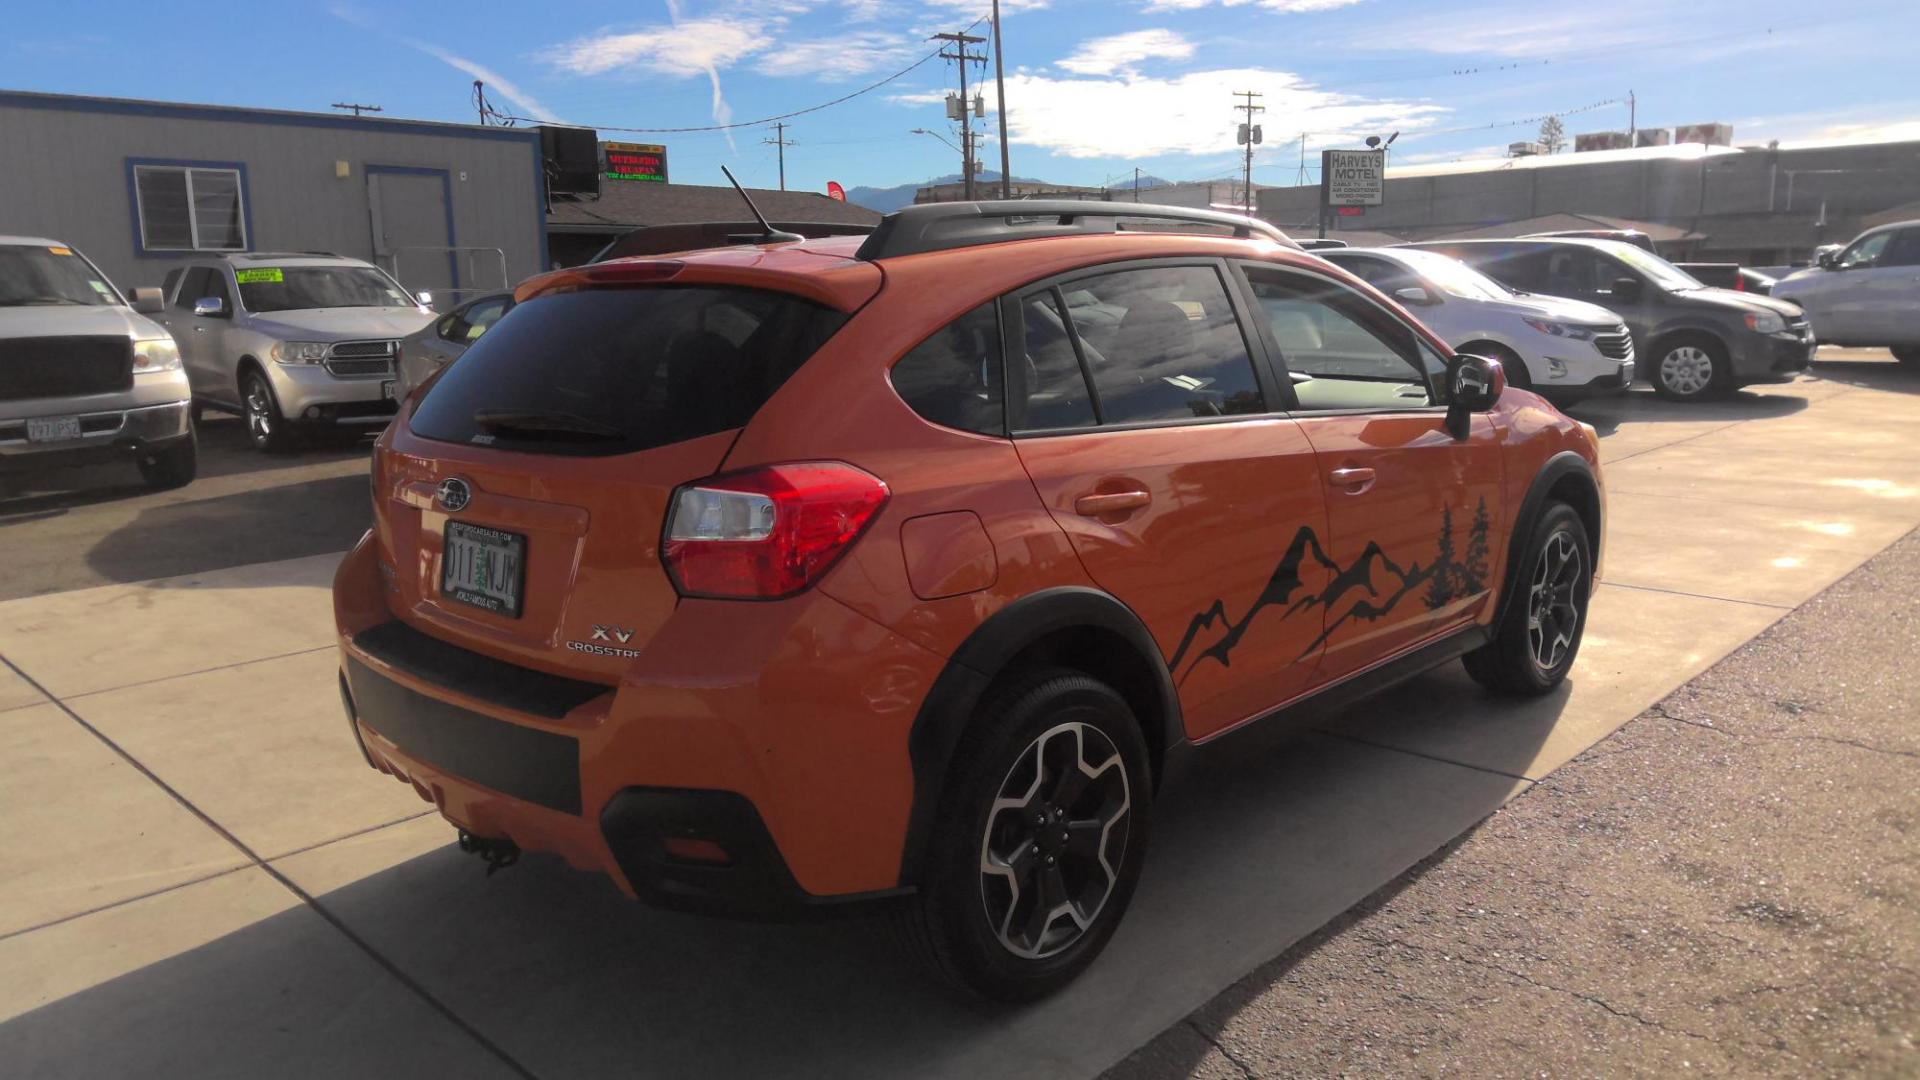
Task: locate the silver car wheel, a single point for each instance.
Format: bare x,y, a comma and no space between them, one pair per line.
1686,370
1049,859
1553,601
259,412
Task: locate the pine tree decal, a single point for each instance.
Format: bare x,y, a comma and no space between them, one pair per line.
1440,585
1473,571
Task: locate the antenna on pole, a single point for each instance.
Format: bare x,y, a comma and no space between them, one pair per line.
357,109
962,108
770,235
780,140
1249,137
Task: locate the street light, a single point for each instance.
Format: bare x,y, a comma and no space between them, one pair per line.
935,134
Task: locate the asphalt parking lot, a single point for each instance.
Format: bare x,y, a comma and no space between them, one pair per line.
204,879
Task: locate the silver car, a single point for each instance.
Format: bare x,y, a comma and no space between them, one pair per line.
83,377
425,351
291,340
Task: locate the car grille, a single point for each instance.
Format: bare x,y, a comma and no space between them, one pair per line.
64,366
1615,345
362,359
1800,328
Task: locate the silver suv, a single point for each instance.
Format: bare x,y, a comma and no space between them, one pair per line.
82,377
291,340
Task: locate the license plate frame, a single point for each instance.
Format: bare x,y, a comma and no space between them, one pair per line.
460,542
52,428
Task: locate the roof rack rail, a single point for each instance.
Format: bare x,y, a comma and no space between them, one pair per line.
927,227
693,235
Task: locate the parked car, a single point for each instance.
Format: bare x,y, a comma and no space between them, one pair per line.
439,343
291,341
1730,276
1625,236
1867,294
1692,342
84,377
858,571
1562,349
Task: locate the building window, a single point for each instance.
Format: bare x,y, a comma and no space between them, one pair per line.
190,209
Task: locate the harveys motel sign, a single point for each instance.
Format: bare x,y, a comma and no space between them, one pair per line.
1353,177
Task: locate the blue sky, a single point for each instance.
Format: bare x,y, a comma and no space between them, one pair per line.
1094,89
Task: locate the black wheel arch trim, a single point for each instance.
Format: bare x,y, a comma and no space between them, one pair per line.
950,705
1564,464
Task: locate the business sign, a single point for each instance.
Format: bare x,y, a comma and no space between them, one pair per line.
635,161
835,191
1353,177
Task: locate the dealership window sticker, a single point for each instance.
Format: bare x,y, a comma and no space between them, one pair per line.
269,275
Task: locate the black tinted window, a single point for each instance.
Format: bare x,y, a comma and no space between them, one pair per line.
953,377
617,370
192,287
1163,344
1055,390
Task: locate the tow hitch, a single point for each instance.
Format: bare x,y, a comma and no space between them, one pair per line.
497,853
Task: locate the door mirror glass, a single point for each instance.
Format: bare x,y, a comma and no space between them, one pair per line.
1415,295
1824,259
424,298
210,307
149,301
1627,290
1473,385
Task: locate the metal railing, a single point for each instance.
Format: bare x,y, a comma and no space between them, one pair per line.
473,261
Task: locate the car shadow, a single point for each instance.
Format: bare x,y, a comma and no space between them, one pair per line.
1888,374
1642,405
567,977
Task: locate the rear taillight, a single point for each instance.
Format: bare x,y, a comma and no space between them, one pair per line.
768,532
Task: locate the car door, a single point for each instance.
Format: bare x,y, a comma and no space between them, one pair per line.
1157,443
1891,291
196,336
1412,512
1849,305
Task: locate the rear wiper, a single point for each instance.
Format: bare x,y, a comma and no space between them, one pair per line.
545,423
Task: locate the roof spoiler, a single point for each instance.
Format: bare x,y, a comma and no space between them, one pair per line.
913,230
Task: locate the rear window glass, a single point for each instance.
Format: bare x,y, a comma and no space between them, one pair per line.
612,371
953,377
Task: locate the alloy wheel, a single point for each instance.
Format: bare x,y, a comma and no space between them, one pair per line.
259,412
1055,835
1686,370
1553,601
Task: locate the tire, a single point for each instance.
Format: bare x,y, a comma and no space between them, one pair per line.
267,429
1908,355
1525,659
1691,367
1518,376
195,410
954,924
171,467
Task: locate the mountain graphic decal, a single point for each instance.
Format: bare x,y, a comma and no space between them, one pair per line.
1374,581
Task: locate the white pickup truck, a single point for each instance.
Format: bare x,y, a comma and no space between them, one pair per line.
84,377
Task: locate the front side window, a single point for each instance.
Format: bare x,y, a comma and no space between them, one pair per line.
1337,350
190,209
1903,250
1864,252
36,275
192,287
953,377
300,288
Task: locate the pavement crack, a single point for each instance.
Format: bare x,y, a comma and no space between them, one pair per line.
1222,1047
1661,712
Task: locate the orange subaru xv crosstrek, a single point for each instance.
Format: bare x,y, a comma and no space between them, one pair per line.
790,576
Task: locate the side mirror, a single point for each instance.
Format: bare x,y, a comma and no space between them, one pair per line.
424,298
1825,260
210,307
149,301
1627,290
1474,384
1415,295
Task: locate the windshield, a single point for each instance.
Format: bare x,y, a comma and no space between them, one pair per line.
293,288
1454,277
1658,270
33,275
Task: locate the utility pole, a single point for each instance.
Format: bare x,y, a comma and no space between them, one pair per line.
1249,135
961,54
1000,95
357,109
780,140
1136,183
1301,179
1633,118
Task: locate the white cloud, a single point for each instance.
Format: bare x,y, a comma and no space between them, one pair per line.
684,49
1137,117
843,57
1107,55
1284,7
496,82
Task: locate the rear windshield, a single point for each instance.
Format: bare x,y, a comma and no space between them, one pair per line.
612,371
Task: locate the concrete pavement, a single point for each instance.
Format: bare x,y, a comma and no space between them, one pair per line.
210,882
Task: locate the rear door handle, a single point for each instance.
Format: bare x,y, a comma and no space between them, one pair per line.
1110,502
1351,476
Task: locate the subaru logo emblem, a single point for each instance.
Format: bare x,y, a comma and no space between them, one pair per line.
454,494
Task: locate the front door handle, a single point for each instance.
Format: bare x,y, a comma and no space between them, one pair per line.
1113,502
1351,476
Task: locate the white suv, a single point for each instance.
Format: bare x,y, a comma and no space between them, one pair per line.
1866,294
291,339
1561,349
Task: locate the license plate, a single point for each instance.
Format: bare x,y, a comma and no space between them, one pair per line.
386,390
484,567
53,428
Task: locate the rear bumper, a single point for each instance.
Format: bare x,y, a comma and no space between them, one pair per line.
103,435
802,778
